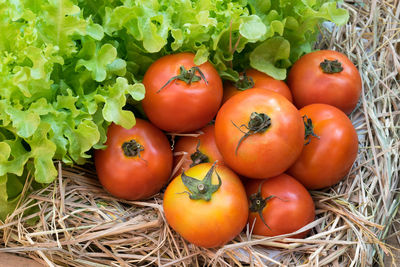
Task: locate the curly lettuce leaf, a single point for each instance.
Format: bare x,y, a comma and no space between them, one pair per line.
61,84
220,30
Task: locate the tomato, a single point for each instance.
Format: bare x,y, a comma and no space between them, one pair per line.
180,96
284,203
197,150
255,79
204,210
259,133
137,162
327,77
327,158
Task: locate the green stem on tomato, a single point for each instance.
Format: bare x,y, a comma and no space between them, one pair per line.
258,123
331,66
188,76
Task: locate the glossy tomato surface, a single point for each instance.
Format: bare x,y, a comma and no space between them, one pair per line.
325,160
134,177
262,154
261,80
210,223
310,84
190,151
288,209
180,106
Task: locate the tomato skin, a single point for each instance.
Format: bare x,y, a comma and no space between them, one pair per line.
189,144
207,223
309,84
291,209
180,107
325,161
261,80
134,178
261,155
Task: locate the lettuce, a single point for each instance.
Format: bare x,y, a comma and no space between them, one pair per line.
68,68
267,35
61,84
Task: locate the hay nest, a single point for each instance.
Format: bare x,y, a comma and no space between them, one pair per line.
75,222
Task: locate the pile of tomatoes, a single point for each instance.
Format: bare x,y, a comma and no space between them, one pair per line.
247,152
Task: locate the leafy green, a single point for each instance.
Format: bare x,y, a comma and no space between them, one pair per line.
224,32
68,67
61,85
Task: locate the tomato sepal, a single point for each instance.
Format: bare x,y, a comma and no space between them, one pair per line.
258,123
309,130
198,157
258,203
201,189
132,148
331,66
188,76
245,82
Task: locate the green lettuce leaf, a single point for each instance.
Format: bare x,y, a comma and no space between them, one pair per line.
61,84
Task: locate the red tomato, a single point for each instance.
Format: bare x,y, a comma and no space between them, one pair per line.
181,106
285,205
317,78
256,79
206,218
198,150
325,160
136,163
259,133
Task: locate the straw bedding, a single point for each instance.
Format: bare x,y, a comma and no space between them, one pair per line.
74,222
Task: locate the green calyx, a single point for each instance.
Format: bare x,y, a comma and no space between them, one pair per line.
258,123
132,148
198,157
309,130
201,189
331,66
258,203
245,82
188,76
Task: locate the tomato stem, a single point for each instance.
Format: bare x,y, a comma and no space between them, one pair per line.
309,130
245,82
132,148
331,66
258,123
187,76
201,189
258,203
198,156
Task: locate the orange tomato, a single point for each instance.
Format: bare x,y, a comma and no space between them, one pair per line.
284,203
181,104
327,158
259,133
198,150
209,218
137,162
255,79
327,77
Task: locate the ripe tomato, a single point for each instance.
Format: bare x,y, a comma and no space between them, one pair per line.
181,97
284,203
136,163
327,77
255,79
259,133
326,159
203,212
198,150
